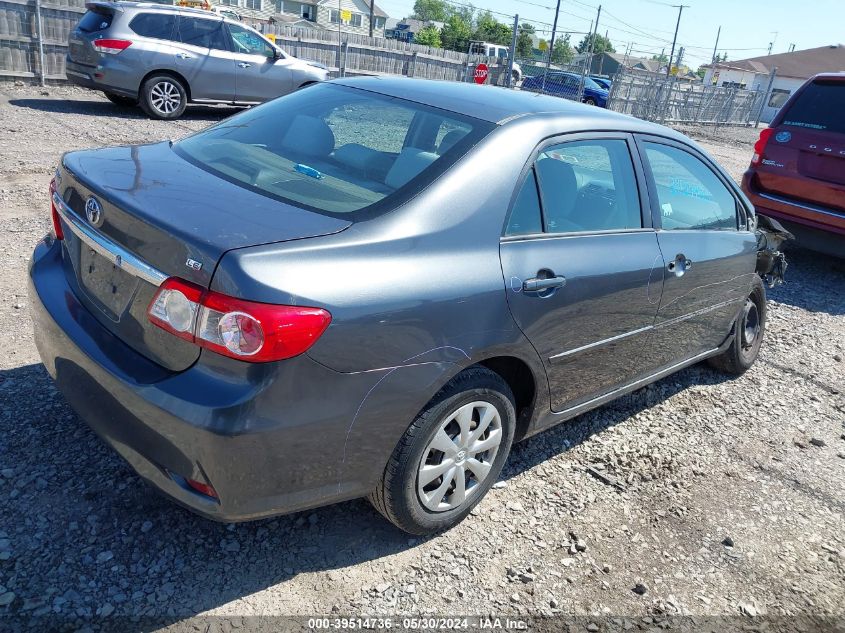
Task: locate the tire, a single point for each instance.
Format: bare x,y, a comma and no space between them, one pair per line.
399,498
164,97
515,78
120,100
748,331
590,101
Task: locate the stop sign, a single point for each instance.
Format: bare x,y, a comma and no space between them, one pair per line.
481,73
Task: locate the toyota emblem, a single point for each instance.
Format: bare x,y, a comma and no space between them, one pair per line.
93,211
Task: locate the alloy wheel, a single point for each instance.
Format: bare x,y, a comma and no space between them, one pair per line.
750,324
459,457
165,97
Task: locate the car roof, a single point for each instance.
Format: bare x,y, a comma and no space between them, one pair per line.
496,104
153,6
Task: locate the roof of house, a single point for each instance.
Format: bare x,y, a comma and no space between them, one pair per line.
377,11
647,64
798,64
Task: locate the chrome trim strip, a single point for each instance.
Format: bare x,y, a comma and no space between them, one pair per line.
115,253
601,342
800,205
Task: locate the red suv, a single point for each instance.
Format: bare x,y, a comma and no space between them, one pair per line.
797,174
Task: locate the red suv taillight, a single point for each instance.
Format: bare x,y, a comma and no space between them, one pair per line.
246,330
760,146
110,46
54,213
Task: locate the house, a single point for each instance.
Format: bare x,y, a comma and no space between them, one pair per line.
353,15
793,69
610,63
407,28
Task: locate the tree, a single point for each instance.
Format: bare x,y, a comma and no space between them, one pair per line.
456,33
428,10
429,36
563,51
661,59
489,29
524,41
701,72
601,45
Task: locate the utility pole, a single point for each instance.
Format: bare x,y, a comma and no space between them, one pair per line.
680,8
372,15
588,60
718,33
551,47
513,51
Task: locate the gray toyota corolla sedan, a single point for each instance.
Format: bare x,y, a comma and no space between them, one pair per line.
373,287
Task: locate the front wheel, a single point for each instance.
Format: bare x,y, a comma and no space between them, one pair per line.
590,101
164,97
450,456
747,337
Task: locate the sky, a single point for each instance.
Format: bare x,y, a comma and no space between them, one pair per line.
747,25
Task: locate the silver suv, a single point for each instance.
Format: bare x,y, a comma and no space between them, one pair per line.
164,57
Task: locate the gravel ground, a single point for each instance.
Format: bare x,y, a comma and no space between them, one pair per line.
726,497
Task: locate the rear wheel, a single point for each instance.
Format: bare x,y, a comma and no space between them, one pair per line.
120,100
590,101
164,97
748,333
450,455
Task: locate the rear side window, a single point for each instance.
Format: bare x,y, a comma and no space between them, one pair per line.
690,195
335,149
96,20
159,26
819,107
525,217
202,33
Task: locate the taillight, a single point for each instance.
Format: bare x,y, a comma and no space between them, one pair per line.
54,213
760,146
110,46
247,330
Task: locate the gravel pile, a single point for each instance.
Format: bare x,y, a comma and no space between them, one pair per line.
696,495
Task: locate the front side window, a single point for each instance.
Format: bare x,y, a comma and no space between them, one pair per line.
335,149
203,33
690,195
588,186
159,26
249,42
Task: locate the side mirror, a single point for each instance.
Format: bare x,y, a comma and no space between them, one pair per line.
277,54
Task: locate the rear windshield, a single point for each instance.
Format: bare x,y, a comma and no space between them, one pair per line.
820,106
95,20
335,149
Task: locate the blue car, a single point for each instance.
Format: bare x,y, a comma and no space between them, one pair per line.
564,84
603,82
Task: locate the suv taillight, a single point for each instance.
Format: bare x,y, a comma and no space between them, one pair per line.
54,213
246,330
760,146
111,46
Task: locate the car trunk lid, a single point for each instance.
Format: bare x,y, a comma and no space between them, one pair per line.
90,27
151,208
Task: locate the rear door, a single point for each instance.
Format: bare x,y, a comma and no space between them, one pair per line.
709,253
804,159
205,59
582,267
259,75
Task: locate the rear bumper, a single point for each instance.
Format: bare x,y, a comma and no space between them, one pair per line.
108,77
266,437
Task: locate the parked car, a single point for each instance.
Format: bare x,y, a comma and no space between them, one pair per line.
502,53
164,57
797,173
373,287
565,84
603,82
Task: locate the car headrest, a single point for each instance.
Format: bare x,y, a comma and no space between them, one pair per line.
450,140
356,156
409,164
309,135
560,188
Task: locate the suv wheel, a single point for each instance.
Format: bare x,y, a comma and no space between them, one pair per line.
164,97
748,333
120,100
450,456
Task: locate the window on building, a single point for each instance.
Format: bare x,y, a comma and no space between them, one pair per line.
253,4
230,3
357,19
379,23
334,16
307,12
778,97
280,6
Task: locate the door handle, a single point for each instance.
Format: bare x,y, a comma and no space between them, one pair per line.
244,65
679,265
537,284
183,56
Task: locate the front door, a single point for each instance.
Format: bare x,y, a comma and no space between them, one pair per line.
204,59
259,75
709,253
582,268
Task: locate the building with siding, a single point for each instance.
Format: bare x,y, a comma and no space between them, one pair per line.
353,15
